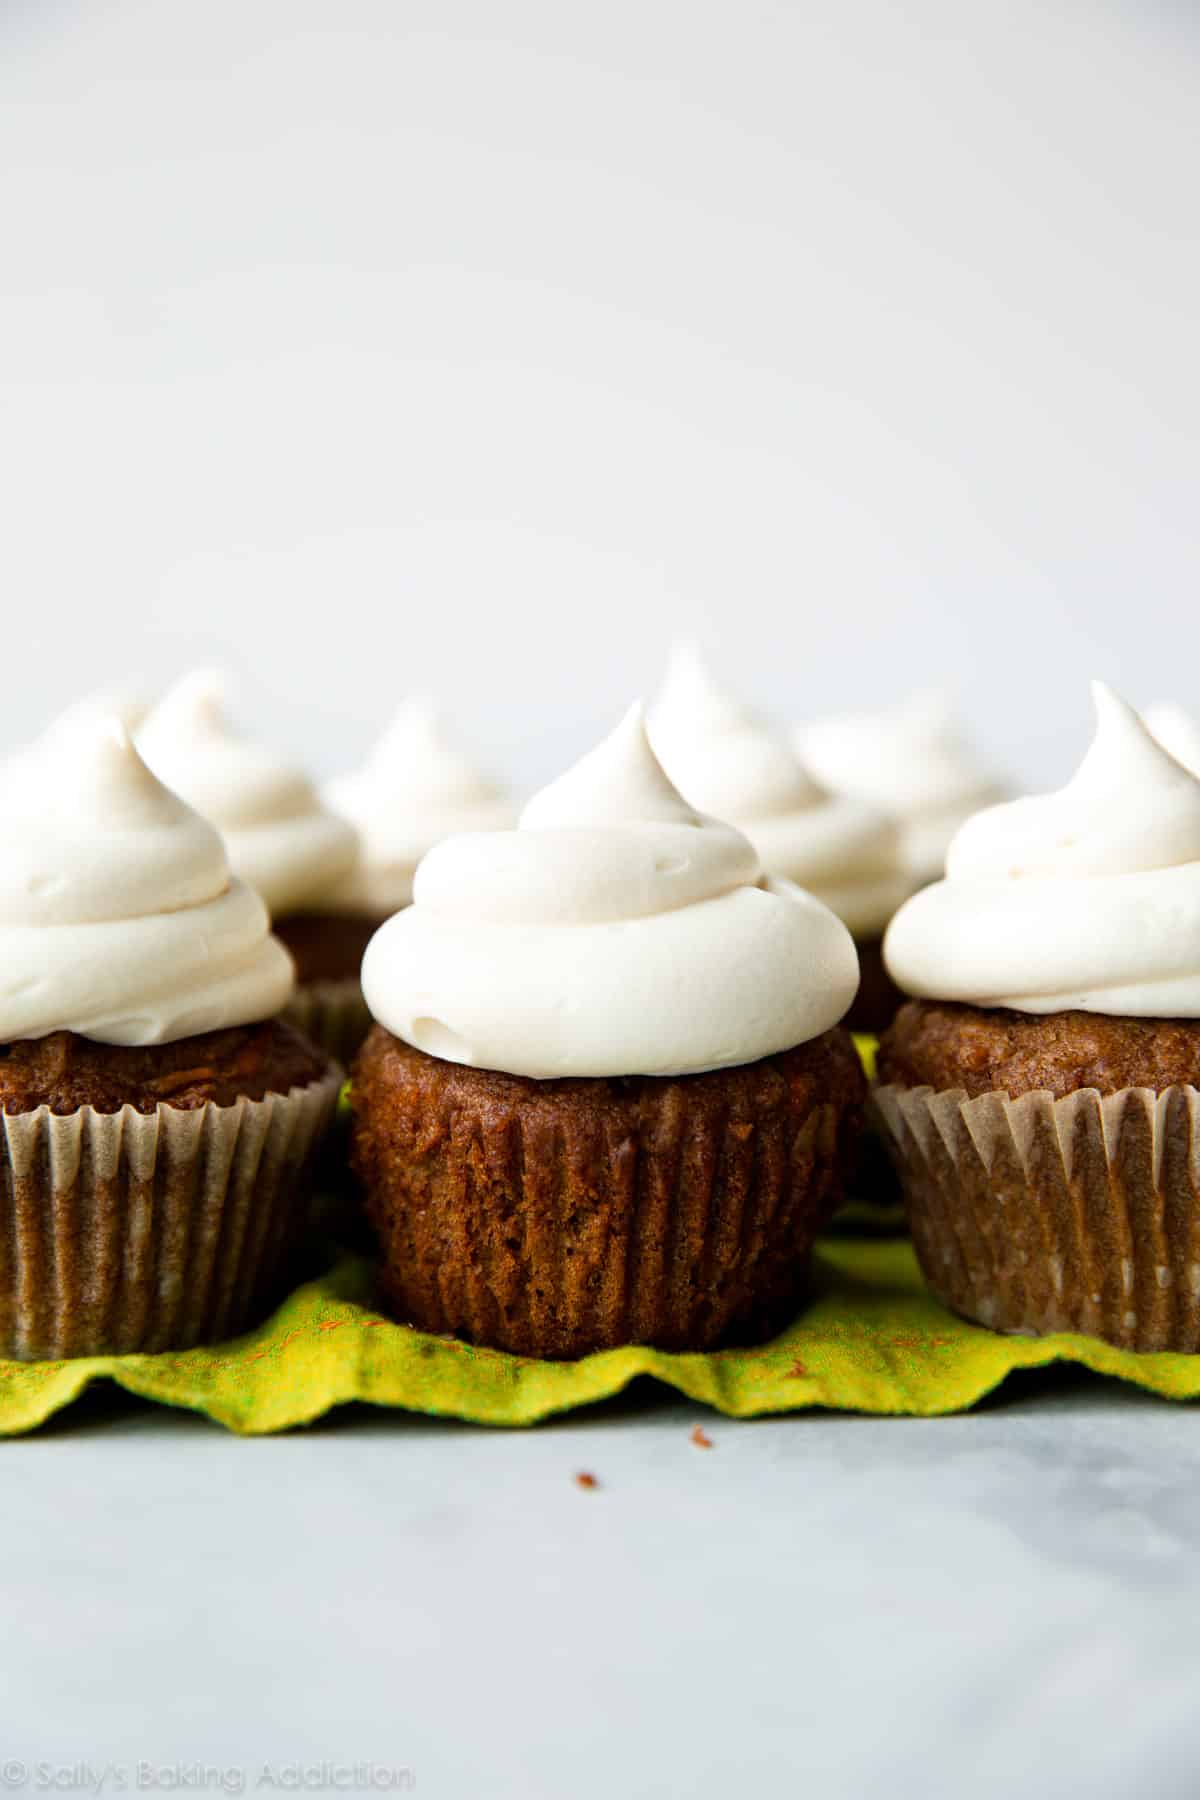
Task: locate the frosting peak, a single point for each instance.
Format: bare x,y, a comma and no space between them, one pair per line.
614,932
413,790
118,918
1086,898
78,846
1129,806
731,763
620,782
279,838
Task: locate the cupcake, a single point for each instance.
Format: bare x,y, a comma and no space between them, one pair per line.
1041,1093
914,762
415,789
844,850
280,840
159,1121
607,1099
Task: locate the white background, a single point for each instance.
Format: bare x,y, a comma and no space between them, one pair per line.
475,347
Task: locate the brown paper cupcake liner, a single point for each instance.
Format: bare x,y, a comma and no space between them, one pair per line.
1037,1215
551,1232
138,1231
333,1015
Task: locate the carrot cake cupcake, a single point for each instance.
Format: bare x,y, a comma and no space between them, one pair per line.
608,1099
1041,1092
158,1120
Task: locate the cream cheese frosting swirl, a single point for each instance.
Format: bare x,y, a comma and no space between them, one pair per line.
1087,898
732,765
118,917
914,763
415,789
614,932
280,839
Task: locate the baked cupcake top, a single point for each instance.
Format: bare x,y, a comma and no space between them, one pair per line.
732,765
279,837
118,917
614,932
414,789
1087,899
912,761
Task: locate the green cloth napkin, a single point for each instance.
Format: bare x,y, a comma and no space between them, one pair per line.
871,1341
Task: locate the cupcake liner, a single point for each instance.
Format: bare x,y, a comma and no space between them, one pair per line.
1038,1215
524,1229
331,1014
138,1231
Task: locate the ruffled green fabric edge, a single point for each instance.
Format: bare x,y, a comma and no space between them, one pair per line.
872,1340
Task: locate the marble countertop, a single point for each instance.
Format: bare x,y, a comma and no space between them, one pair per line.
997,1604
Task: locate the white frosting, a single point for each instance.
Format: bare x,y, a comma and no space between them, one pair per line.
414,790
910,760
280,839
1177,731
615,932
1087,898
732,765
118,917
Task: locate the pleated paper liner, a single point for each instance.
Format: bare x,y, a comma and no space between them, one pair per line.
873,1340
333,1015
137,1231
678,1214
1040,1215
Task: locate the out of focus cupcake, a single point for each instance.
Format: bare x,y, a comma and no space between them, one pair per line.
914,762
731,764
608,1099
1042,1092
281,840
415,788
158,1119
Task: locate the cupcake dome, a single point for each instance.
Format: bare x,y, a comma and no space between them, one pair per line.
118,916
913,762
616,932
731,764
414,789
1041,1094
1087,899
281,840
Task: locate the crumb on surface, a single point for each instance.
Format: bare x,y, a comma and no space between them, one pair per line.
701,1438
585,1479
